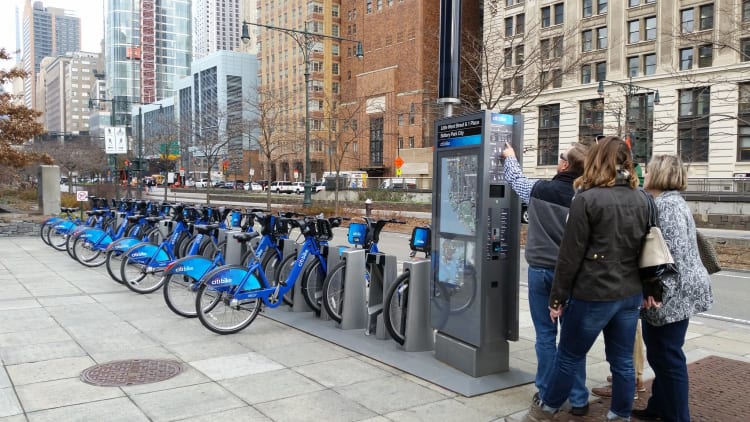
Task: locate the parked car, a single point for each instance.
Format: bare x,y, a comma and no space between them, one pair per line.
281,187
262,183
319,186
225,185
189,183
298,187
238,184
203,183
253,187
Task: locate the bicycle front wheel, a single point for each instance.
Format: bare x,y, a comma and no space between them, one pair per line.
225,315
312,285
114,263
333,291
87,254
395,306
141,277
44,232
57,238
179,293
282,275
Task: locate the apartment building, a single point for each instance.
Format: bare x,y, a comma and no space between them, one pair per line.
217,25
674,76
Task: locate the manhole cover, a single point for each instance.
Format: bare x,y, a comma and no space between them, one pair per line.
131,372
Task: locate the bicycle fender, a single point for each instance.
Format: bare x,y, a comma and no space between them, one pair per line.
147,250
123,244
51,220
96,236
224,278
64,226
194,266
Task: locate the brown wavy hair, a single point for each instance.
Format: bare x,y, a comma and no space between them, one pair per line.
602,163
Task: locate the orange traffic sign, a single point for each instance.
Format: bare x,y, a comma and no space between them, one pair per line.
398,162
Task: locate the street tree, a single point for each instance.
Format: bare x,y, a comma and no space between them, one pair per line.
18,124
273,131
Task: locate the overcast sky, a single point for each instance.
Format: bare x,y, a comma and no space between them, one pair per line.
90,12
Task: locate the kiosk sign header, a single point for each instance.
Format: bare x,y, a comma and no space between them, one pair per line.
460,134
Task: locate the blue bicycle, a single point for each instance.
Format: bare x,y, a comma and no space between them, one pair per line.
230,297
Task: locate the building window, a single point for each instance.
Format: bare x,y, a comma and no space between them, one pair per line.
687,20
411,142
518,84
649,64
335,68
634,31
601,37
400,142
544,48
745,49
508,57
693,124
586,74
590,120
640,125
559,13
705,55
557,46
556,78
519,55
546,17
412,113
743,123
520,23
601,7
588,8
707,17
650,28
509,27
401,119
548,138
633,3
634,64
587,40
686,58
745,10
507,86
601,71
376,141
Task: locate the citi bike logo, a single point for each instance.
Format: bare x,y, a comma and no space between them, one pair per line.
302,258
220,280
138,254
184,268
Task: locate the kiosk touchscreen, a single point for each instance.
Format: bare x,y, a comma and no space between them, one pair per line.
475,241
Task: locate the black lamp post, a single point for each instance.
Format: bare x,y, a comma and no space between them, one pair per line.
304,40
630,91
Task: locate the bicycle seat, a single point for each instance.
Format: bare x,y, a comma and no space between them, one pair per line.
205,228
246,236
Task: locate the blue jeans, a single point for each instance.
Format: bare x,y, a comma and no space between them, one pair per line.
583,322
540,283
669,392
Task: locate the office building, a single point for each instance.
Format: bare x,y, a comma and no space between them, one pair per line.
63,87
672,76
46,32
217,25
147,47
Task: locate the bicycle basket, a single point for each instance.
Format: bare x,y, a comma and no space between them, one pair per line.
357,233
420,239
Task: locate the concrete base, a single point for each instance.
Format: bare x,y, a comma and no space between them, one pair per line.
420,364
48,178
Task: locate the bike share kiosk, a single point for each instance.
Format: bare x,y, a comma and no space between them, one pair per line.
475,243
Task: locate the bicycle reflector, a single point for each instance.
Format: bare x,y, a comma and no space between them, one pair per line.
420,239
357,233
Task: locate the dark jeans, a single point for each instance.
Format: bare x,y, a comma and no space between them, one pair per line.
583,321
540,284
669,392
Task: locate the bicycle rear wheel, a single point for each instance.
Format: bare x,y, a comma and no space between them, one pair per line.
226,315
44,232
312,285
333,291
114,263
395,306
87,253
141,277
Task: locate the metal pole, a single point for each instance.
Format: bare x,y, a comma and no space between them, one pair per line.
140,152
308,192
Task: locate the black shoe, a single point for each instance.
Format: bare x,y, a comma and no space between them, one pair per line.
645,415
580,411
537,400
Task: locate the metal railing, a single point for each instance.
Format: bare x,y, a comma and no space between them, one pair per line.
713,185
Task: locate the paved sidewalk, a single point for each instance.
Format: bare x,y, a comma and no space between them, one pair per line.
58,318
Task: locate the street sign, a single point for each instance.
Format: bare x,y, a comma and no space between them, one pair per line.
109,140
121,140
82,196
398,172
398,162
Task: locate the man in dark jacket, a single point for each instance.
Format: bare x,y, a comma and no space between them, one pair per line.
548,203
